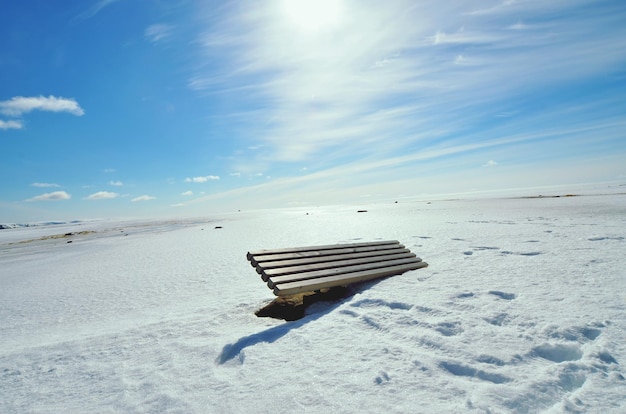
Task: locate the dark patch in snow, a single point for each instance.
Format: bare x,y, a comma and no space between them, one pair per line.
491,360
558,352
423,309
606,358
485,248
465,295
468,253
467,371
449,328
521,253
497,320
381,302
503,295
577,333
382,378
372,323
600,238
572,378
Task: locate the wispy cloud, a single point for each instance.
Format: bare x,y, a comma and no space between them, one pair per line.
19,105
11,124
158,32
202,179
96,8
490,163
44,185
54,196
399,79
143,198
109,170
187,193
102,195
116,183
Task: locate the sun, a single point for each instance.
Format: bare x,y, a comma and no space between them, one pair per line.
312,15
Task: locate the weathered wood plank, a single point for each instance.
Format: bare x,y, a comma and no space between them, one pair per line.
280,271
276,280
331,258
308,285
324,247
259,260
316,248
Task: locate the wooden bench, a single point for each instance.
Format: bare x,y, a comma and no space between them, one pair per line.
305,269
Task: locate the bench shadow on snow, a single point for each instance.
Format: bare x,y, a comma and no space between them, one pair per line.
298,311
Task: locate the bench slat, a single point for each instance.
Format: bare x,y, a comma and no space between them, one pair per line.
293,288
280,271
322,259
263,252
259,260
276,280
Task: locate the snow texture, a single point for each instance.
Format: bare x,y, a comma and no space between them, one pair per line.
521,310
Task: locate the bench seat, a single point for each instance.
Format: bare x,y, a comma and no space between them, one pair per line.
303,269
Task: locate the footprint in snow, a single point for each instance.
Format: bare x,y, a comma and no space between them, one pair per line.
503,295
471,372
381,303
558,352
600,238
577,333
449,328
521,253
498,320
382,378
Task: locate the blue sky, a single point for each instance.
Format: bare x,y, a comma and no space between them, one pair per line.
133,108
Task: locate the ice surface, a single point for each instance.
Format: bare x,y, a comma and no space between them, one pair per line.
522,309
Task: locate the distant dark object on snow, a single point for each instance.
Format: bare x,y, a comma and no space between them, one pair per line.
361,211
218,227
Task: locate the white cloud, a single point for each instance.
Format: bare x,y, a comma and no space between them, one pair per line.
187,193
109,170
116,183
57,195
158,32
235,174
203,179
353,92
143,198
19,105
44,185
102,195
11,124
490,163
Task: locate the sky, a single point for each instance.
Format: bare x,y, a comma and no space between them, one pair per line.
142,108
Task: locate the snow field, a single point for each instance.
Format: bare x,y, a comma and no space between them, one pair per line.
520,310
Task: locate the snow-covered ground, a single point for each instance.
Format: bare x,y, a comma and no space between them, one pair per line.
522,309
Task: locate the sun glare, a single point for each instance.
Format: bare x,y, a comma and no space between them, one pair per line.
312,15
